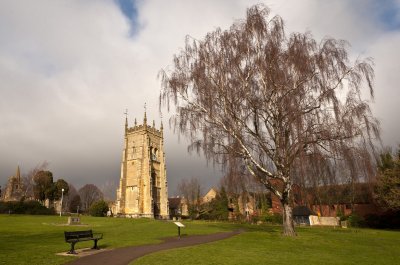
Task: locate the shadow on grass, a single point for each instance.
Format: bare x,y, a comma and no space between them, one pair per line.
105,246
229,226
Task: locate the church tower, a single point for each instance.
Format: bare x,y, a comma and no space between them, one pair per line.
143,188
14,188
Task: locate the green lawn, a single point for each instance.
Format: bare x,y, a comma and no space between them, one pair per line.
35,240
265,245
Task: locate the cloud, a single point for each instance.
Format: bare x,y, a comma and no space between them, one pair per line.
69,69
385,52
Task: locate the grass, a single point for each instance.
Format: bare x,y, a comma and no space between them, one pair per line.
265,245
34,240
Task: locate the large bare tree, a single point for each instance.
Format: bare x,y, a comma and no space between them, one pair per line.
236,180
190,190
89,194
271,99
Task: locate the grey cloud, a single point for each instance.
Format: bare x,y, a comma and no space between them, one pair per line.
69,69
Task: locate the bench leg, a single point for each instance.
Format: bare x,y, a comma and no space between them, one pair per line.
72,251
95,245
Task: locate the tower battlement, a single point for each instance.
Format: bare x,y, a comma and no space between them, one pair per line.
142,127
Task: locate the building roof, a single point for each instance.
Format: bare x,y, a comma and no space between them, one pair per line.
211,192
210,195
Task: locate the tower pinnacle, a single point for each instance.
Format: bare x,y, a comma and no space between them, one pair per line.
145,116
126,120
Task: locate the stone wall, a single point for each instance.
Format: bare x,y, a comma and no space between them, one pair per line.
323,220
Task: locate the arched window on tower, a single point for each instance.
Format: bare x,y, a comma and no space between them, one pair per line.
153,152
156,154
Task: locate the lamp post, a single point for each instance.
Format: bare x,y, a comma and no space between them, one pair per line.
62,197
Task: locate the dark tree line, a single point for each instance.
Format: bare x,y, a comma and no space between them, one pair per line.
45,188
39,185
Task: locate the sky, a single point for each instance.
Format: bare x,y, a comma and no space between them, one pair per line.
70,68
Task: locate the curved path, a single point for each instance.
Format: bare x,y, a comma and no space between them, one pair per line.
123,256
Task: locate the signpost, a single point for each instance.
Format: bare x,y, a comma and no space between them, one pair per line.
179,225
62,197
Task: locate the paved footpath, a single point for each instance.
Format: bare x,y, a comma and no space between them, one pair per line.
123,256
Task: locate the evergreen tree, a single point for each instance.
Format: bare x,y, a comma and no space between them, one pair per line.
388,185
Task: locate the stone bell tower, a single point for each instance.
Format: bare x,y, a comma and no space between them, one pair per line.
143,188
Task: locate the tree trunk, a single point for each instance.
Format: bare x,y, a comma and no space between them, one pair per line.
288,226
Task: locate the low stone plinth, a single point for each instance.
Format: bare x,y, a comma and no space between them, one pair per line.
74,220
324,221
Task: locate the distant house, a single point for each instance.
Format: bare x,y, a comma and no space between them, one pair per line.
178,207
246,204
361,209
210,195
333,200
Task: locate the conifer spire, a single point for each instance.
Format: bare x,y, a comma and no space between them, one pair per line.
18,174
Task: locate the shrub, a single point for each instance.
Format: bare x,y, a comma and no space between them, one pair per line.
341,215
273,218
98,208
389,219
34,207
356,220
25,207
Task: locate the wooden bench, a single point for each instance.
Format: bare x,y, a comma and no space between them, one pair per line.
78,236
